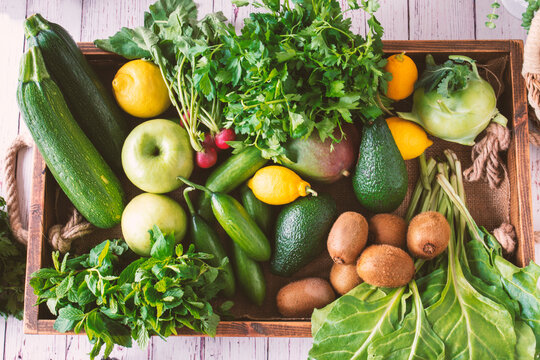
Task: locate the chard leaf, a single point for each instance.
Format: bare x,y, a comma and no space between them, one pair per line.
352,324
470,325
414,340
521,285
526,342
364,292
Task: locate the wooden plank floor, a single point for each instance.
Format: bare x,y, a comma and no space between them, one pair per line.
87,20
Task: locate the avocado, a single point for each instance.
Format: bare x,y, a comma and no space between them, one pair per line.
301,231
380,179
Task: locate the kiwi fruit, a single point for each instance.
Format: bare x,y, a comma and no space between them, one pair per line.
388,229
428,235
385,266
344,277
347,238
299,298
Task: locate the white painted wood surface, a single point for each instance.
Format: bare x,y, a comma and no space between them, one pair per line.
87,20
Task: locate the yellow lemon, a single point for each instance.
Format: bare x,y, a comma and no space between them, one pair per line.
404,75
410,138
140,90
278,185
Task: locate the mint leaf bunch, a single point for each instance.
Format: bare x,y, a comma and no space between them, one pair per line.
150,296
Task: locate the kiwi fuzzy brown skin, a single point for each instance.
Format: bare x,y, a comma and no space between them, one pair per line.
385,266
388,229
347,238
299,298
428,235
344,277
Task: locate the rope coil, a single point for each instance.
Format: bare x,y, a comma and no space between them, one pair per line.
60,236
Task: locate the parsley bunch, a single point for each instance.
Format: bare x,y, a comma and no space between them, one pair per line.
12,268
298,67
150,296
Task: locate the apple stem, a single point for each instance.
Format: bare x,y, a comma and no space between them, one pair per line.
188,200
192,184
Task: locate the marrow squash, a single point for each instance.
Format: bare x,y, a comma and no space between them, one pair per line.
77,166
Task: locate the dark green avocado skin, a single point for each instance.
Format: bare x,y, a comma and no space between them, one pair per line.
380,180
301,231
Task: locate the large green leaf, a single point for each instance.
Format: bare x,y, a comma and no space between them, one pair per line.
414,340
521,285
352,324
471,325
364,292
526,342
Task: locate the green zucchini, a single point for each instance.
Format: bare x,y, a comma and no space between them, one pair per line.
77,166
250,275
259,211
229,175
206,240
91,105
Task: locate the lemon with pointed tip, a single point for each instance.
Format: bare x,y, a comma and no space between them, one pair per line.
410,138
278,185
140,90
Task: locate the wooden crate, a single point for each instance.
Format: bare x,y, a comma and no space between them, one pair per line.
514,105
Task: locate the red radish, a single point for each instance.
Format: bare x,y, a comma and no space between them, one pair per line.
223,136
207,158
209,142
186,118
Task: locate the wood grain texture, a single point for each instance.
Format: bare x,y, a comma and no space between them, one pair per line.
449,19
394,16
507,26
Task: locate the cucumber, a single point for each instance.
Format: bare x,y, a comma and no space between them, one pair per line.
229,175
77,166
242,229
259,211
250,276
91,105
205,239
237,223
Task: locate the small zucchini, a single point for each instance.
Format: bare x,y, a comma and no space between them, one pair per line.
229,175
75,163
237,223
250,275
206,240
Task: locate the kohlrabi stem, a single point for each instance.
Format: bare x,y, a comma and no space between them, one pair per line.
424,172
196,186
188,200
499,119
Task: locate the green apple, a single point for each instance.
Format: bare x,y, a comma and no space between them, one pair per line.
155,153
146,210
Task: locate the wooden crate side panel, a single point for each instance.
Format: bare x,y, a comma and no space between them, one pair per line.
35,241
520,174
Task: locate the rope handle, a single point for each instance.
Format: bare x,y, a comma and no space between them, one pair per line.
12,195
60,236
